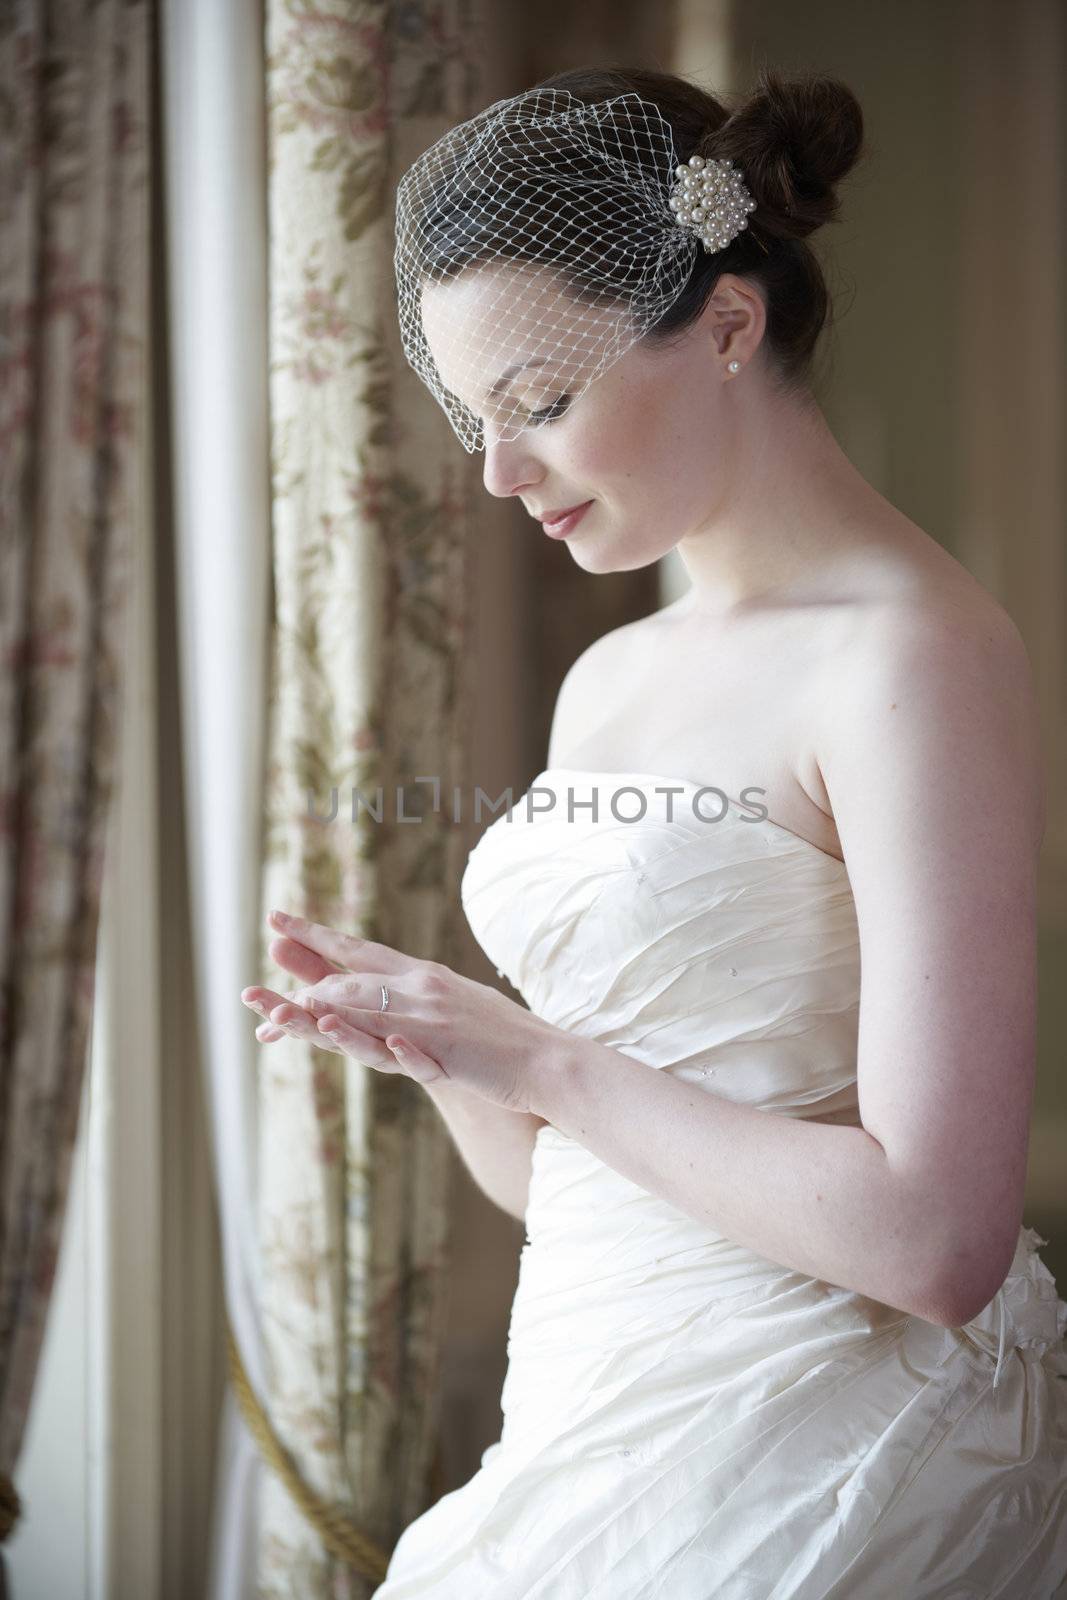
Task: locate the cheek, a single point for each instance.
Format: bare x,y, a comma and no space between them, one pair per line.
625,442
669,454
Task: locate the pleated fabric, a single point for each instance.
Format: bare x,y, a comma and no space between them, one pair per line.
682,1418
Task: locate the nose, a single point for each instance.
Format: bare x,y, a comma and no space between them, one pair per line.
509,466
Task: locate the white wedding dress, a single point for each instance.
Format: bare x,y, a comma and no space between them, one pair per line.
682,1418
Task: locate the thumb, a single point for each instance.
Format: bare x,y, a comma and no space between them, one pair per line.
414,1062
303,963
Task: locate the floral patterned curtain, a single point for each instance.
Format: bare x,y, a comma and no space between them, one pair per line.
369,530
73,390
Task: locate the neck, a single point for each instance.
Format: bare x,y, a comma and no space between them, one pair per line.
798,513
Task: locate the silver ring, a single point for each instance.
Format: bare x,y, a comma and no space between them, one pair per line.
385,1000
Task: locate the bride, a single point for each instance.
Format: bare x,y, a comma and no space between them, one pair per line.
779,1328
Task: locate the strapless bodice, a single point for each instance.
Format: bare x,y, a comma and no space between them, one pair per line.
725,952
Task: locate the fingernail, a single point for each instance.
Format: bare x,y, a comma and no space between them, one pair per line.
280,916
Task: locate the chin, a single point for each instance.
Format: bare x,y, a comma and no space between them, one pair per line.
593,560
609,558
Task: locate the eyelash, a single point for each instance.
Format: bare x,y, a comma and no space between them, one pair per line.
550,413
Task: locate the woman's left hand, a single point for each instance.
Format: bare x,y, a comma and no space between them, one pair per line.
438,1025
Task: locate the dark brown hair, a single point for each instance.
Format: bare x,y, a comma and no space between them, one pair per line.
792,139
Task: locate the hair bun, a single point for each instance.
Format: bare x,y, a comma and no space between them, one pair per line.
794,139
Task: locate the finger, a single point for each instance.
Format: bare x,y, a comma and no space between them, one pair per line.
267,1033
351,991
372,1024
259,998
346,949
372,1052
302,962
295,1022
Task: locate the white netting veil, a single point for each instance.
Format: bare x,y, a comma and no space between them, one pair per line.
537,242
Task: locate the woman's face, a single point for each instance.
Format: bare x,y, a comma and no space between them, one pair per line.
649,441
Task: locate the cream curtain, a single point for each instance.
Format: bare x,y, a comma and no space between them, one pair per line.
211,58
322,552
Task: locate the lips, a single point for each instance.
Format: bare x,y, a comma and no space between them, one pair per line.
561,512
565,526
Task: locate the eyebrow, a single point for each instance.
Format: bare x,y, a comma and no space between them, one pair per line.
510,372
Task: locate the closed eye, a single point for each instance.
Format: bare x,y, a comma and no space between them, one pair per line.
550,413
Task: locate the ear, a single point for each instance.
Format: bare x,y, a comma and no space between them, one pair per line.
735,316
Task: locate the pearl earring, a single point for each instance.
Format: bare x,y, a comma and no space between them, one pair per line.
733,366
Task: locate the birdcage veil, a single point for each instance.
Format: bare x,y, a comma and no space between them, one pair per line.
568,229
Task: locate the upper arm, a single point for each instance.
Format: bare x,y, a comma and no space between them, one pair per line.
930,753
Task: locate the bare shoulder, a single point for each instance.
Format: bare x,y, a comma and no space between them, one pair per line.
585,683
937,678
928,744
951,636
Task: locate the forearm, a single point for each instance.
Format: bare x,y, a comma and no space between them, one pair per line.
819,1198
496,1145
